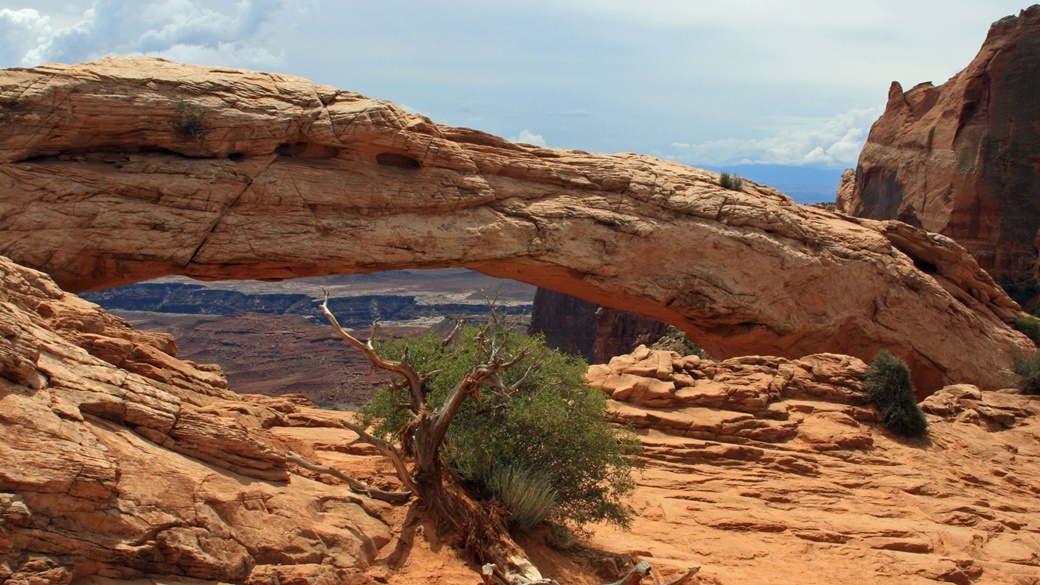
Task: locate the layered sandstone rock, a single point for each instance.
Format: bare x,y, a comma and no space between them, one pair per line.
764,462
961,158
763,471
128,169
120,460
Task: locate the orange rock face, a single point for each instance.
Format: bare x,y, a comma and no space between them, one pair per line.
962,158
122,465
765,462
120,460
128,169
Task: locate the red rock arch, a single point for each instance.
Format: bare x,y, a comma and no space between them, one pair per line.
100,187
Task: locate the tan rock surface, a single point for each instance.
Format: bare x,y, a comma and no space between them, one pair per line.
120,460
761,470
961,158
768,471
284,178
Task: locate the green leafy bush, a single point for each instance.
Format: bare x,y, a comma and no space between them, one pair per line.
552,423
889,387
1030,326
731,182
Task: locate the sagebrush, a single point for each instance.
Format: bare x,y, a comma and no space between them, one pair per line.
1026,364
190,120
889,387
731,182
1030,326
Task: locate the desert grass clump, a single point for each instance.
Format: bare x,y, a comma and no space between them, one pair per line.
189,122
731,182
527,495
889,387
1030,326
1027,365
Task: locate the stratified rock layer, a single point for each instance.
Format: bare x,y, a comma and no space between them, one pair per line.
128,169
123,465
759,462
119,460
963,158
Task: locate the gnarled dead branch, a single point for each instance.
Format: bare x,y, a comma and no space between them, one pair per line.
355,485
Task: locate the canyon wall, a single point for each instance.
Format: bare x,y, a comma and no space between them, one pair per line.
127,169
963,158
592,331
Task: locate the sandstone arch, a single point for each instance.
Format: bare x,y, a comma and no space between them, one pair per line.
99,187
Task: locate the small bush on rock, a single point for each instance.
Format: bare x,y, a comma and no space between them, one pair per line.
1030,326
675,340
1027,366
189,122
889,388
731,182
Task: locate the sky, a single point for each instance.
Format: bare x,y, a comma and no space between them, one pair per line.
784,92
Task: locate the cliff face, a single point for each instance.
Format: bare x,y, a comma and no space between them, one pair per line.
568,323
120,460
128,169
963,158
592,331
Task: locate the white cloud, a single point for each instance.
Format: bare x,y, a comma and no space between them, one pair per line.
831,141
182,30
528,137
20,30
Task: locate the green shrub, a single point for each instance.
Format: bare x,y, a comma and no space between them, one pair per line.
889,388
189,122
553,424
1030,326
731,182
1027,366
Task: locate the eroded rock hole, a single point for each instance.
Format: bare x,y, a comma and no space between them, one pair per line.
401,161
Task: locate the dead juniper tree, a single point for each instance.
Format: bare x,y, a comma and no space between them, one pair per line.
496,373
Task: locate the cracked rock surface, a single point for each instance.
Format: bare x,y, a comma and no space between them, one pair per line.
756,461
120,460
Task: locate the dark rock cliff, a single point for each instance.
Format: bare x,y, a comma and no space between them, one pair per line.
963,158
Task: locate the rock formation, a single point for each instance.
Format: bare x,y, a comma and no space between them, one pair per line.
592,331
568,323
120,460
764,461
127,169
125,465
963,158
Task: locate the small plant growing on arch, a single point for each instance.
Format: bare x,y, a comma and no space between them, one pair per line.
731,182
190,122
